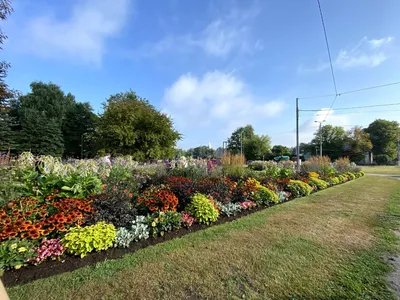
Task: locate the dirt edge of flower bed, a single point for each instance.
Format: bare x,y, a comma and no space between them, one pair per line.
70,263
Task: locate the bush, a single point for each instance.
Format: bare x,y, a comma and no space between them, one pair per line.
298,188
82,240
247,204
343,178
351,176
160,222
382,159
29,218
318,183
265,196
321,165
333,180
230,209
158,199
202,209
342,165
220,189
183,189
114,208
48,249
15,253
360,174
187,219
138,231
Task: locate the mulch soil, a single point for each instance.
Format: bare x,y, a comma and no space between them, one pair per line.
70,263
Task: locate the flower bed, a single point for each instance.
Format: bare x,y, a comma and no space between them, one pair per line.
136,208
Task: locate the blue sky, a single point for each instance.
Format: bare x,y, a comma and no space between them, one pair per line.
213,65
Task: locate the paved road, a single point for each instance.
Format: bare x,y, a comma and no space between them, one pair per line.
385,175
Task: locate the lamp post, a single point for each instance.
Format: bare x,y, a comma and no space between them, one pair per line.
320,136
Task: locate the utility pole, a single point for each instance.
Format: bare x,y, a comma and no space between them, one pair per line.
320,136
398,153
297,136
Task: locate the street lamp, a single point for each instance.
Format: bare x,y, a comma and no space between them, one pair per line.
320,136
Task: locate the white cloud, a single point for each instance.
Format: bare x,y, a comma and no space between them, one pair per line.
217,101
367,54
223,35
82,35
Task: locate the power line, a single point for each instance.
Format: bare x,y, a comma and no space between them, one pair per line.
355,107
352,91
364,112
330,108
327,46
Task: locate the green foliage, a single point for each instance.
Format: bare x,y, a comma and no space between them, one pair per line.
298,188
139,230
201,151
351,176
265,196
384,136
131,125
82,240
343,178
161,222
358,142
318,183
279,150
10,187
229,209
202,209
333,140
333,180
74,185
14,253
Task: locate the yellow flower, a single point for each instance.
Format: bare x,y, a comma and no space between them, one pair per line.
17,267
153,224
22,249
156,220
13,246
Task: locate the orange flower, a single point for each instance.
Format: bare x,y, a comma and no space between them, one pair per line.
26,223
51,228
38,226
13,234
130,195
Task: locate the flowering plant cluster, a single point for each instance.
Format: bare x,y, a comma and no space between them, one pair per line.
51,248
248,204
15,253
29,218
182,187
158,199
187,219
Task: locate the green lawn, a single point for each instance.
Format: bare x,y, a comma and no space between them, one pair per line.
391,170
326,246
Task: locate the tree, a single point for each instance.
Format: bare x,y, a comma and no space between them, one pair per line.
333,140
257,147
358,143
235,142
254,146
77,128
41,114
5,11
131,125
384,136
201,151
278,150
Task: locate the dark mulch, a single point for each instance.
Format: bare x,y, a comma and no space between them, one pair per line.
71,263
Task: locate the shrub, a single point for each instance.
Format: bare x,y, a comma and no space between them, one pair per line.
138,231
158,199
29,218
298,188
114,208
192,172
48,249
342,165
202,209
318,183
333,180
360,174
82,240
283,196
160,222
230,209
123,238
382,159
247,204
351,176
313,175
343,178
321,165
265,196
219,188
187,219
15,253
182,188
